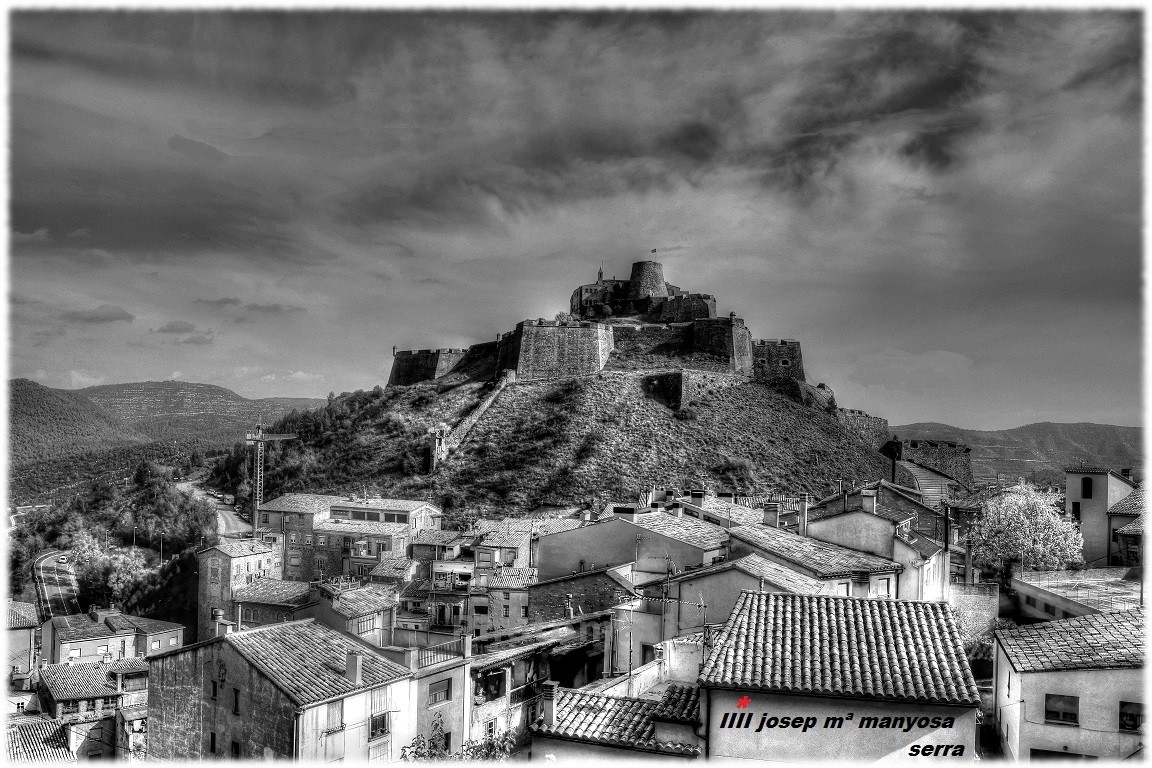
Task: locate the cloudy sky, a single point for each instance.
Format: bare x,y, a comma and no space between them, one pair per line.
945,208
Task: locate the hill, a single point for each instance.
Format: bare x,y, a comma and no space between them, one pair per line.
178,410
1046,446
585,440
47,423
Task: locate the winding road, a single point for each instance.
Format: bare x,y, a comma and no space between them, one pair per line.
228,523
56,587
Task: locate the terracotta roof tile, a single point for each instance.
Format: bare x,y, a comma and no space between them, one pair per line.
22,615
882,511
842,647
307,660
80,627
38,740
392,505
360,527
393,566
686,529
1134,528
823,559
505,538
303,503
508,577
1097,641
1132,504
273,592
443,538
614,721
370,598
242,547
680,704
758,567
67,682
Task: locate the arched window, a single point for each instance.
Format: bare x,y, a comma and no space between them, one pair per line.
1085,487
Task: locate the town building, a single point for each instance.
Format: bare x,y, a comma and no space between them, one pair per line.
296,690
574,645
886,532
1048,595
507,590
366,611
226,567
1130,542
502,547
843,570
1072,688
270,601
353,547
106,634
395,571
38,740
294,515
537,527
441,679
85,697
875,679
577,593
1090,496
23,621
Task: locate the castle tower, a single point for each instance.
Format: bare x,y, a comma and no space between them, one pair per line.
647,281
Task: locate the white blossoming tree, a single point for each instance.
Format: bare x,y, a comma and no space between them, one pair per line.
1024,526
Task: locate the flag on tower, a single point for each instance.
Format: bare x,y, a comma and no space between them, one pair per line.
653,250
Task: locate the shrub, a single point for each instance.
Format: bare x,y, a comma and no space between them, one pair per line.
685,414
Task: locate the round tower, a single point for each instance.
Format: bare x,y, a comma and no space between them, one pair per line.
647,281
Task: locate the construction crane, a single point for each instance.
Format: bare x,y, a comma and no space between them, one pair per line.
258,438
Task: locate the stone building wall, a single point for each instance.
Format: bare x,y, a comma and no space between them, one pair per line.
873,430
647,281
724,337
777,357
686,308
590,592
953,459
410,367
548,349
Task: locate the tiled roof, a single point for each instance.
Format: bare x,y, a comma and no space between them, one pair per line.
758,567
370,598
680,704
614,721
392,566
505,538
307,661
607,570
842,647
1134,528
921,543
686,529
80,627
912,494
38,740
392,505
141,624
360,526
87,681
1132,504
512,578
524,647
1096,641
736,512
303,503
559,525
22,615
242,547
882,510
825,560
273,592
443,538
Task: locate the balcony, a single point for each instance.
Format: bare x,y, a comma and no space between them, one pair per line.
438,654
526,692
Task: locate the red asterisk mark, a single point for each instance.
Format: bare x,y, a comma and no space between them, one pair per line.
743,702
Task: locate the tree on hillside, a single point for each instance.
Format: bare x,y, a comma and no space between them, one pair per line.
1023,525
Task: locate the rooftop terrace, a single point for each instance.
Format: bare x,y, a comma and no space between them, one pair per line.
1101,589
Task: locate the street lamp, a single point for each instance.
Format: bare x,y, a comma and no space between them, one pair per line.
133,537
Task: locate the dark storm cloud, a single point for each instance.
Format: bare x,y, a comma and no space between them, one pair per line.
176,326
105,313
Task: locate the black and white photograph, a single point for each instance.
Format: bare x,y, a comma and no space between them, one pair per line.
575,385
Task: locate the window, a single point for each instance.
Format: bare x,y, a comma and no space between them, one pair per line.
785,363
1075,510
523,611
505,611
308,539
1131,716
884,587
96,734
507,595
318,563
380,726
336,714
447,742
69,707
365,624
101,650
74,653
155,645
1085,487
235,701
264,517
292,538
490,728
844,588
236,570
438,692
1030,601
248,567
1049,609
212,742
480,610
385,546
294,560
362,570
213,690
1061,709
236,749
322,540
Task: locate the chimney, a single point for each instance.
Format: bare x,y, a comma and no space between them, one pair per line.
119,683
412,658
675,509
586,515
698,497
868,500
568,612
354,668
726,496
803,529
772,514
625,512
549,696
654,506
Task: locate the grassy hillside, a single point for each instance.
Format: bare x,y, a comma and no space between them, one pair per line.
574,441
1043,447
49,423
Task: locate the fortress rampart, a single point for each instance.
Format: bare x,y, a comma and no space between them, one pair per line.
777,357
687,307
647,281
547,349
412,366
953,459
872,429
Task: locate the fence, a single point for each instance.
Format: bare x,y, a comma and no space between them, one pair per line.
437,654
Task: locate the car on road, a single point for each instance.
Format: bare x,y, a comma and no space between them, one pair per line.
62,559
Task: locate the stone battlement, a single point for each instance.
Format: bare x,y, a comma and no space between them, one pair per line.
775,342
445,351
542,323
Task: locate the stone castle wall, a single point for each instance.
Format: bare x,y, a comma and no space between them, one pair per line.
777,357
549,350
724,337
669,341
687,307
410,367
872,429
953,459
647,281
